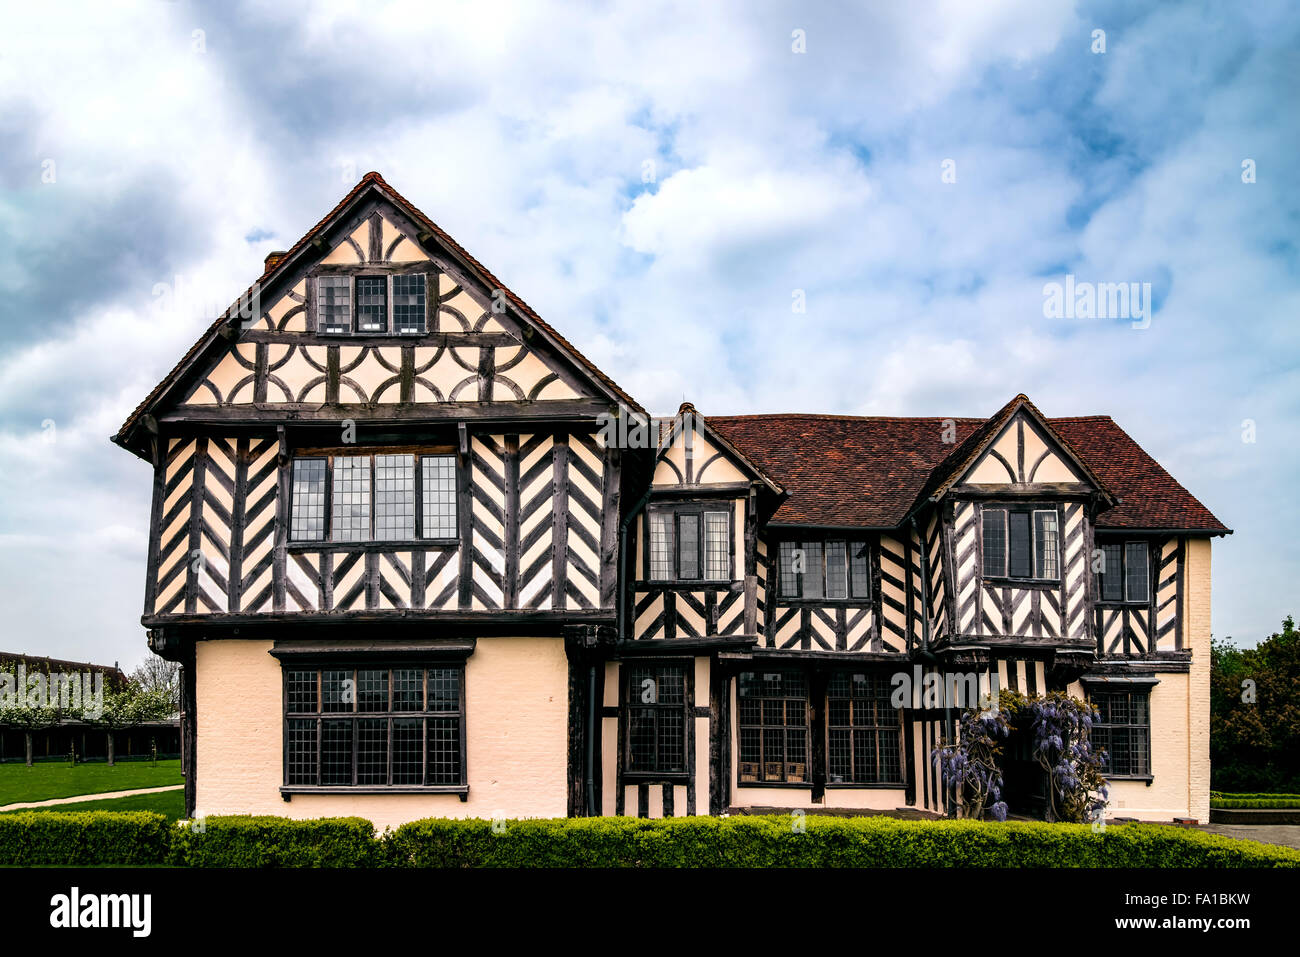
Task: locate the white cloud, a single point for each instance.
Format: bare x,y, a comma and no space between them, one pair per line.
524,131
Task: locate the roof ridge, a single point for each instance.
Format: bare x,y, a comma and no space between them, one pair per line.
847,417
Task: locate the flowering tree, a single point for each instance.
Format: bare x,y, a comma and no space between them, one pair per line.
1061,727
130,706
1062,746
970,764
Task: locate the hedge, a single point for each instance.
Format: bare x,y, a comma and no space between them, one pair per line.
1226,800
84,838
144,838
247,841
824,842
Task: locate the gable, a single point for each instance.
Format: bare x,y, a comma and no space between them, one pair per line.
479,342
1022,454
468,349
701,463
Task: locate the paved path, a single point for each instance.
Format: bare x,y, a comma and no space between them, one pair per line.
106,795
1287,835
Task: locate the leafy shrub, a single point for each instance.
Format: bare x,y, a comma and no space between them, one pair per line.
83,838
247,841
1256,802
782,841
143,838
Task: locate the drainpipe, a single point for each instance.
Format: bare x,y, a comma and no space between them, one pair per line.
619,603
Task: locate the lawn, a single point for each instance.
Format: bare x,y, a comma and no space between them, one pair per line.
169,803
51,779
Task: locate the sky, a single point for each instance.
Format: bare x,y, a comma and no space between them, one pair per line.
759,207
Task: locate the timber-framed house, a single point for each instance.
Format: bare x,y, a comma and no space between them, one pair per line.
415,562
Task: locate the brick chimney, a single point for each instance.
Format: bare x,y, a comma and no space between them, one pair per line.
273,260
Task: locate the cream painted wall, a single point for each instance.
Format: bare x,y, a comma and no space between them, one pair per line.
516,737
1168,794
1196,636
1180,717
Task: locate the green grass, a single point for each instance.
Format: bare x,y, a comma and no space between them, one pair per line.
51,779
171,804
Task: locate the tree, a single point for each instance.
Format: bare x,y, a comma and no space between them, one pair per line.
159,674
970,765
20,709
1255,713
130,706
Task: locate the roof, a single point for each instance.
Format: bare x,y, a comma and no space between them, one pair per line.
46,666
371,179
871,471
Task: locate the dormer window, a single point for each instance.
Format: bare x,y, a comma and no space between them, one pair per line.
1022,541
371,304
690,542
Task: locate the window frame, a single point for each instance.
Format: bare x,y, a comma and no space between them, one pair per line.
785,727
818,681
1123,545
320,715
824,544
700,509
1031,510
687,708
372,453
877,729
1142,691
384,271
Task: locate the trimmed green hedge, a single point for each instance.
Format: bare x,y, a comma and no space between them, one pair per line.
1228,800
144,838
84,838
825,842
246,841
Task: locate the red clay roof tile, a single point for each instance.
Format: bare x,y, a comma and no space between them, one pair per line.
868,472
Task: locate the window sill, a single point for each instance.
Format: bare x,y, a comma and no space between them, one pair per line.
1007,582
806,785
849,786
373,545
651,777
373,334
689,584
289,790
823,602
1115,603
1147,778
